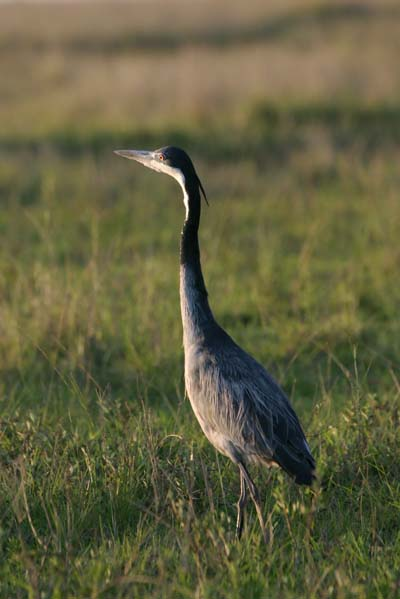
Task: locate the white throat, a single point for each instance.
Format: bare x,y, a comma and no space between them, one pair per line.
179,176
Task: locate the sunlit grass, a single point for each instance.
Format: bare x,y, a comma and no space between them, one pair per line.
108,488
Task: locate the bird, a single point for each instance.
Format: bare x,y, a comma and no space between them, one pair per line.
241,409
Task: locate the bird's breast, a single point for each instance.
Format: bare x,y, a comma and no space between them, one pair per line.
212,407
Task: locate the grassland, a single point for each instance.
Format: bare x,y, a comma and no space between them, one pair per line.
291,112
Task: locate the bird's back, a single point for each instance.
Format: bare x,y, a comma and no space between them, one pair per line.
241,409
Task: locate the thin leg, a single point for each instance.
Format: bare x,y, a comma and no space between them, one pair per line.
241,504
255,497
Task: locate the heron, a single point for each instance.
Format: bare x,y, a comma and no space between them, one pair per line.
241,409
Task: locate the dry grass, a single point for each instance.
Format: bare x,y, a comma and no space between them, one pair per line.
302,59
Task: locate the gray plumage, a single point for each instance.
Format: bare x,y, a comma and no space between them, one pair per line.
241,409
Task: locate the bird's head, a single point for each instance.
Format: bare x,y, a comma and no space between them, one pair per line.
169,160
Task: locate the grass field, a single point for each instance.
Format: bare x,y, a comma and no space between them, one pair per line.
291,112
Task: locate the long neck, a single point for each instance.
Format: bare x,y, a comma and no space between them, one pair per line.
195,310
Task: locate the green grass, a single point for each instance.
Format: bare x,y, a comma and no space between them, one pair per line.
108,488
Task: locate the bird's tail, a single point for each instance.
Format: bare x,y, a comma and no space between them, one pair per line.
301,469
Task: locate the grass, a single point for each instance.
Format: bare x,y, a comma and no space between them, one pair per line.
107,486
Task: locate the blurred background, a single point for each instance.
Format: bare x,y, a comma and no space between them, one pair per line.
291,113
114,66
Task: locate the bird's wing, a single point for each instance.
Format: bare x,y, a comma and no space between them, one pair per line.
261,415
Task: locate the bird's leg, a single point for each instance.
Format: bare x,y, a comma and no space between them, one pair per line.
254,494
241,504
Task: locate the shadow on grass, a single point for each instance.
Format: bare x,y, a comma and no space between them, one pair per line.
273,129
67,387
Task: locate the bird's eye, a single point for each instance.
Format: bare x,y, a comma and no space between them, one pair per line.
161,157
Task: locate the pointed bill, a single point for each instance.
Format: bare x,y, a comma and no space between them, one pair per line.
141,156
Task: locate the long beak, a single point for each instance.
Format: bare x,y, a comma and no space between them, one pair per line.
139,155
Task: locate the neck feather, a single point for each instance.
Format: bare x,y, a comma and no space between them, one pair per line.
195,310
